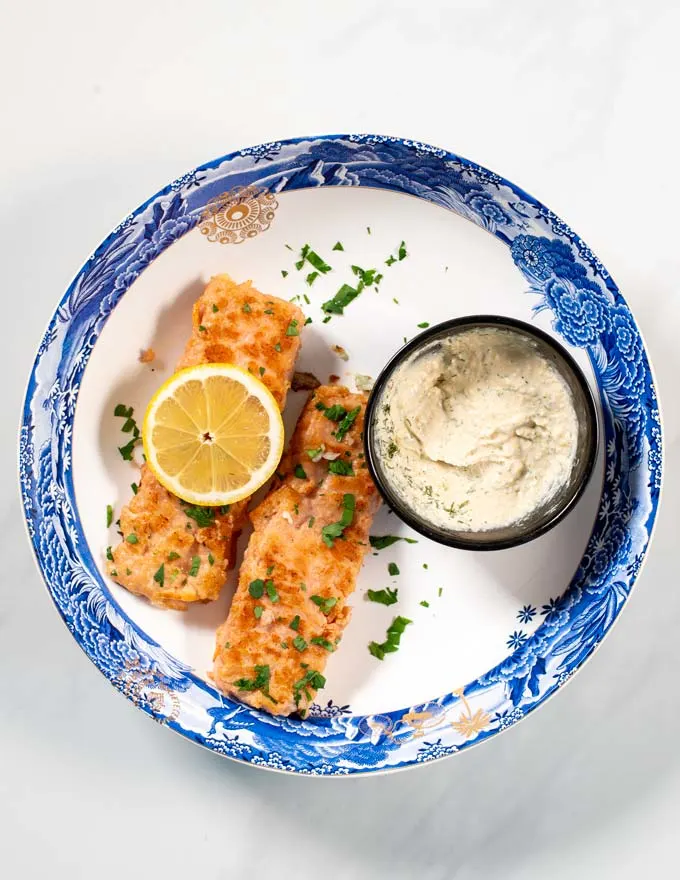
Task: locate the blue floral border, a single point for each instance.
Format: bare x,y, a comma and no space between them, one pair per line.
587,311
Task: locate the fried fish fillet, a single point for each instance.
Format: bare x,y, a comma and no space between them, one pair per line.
232,323
302,562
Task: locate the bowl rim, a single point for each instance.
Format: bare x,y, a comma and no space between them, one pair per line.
400,508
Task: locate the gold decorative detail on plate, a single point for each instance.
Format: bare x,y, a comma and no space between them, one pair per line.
139,686
237,215
469,725
421,721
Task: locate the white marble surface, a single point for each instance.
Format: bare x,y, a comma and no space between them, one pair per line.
101,105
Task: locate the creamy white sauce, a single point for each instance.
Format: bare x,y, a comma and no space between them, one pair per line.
477,432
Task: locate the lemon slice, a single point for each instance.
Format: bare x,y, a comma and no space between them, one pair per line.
213,434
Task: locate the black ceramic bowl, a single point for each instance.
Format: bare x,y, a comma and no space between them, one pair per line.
544,517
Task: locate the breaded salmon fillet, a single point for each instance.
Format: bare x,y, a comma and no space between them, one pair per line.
302,562
236,324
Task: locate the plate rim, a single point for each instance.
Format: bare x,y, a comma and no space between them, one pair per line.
365,140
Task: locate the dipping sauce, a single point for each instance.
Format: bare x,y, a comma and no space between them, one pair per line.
477,430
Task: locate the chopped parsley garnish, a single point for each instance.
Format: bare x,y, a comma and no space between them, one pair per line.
316,261
122,411
335,530
257,611
261,371
299,643
225,508
347,423
195,565
284,273
341,300
109,554
202,328
333,413
295,623
341,468
424,324
425,603
215,308
159,577
256,588
379,542
271,591
246,308
114,573
311,278
368,229
132,539
330,532
203,516
172,556
390,260
259,683
401,254
134,487
270,569
311,521
391,643
292,328
109,516
284,645
367,277
326,605
440,591
392,449
268,312
425,565
311,679
127,450
211,559
338,246
383,597
393,569
322,643
300,472
307,300
277,347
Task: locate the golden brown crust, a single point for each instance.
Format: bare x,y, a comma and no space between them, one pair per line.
288,543
165,535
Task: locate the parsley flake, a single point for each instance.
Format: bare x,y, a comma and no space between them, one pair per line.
347,423
391,643
295,623
393,569
159,577
292,328
202,516
132,539
383,597
300,472
341,468
299,643
322,643
195,565
256,588
109,516
325,604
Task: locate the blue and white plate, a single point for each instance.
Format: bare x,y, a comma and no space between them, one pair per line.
494,634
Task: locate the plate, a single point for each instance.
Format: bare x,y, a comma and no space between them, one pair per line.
494,635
